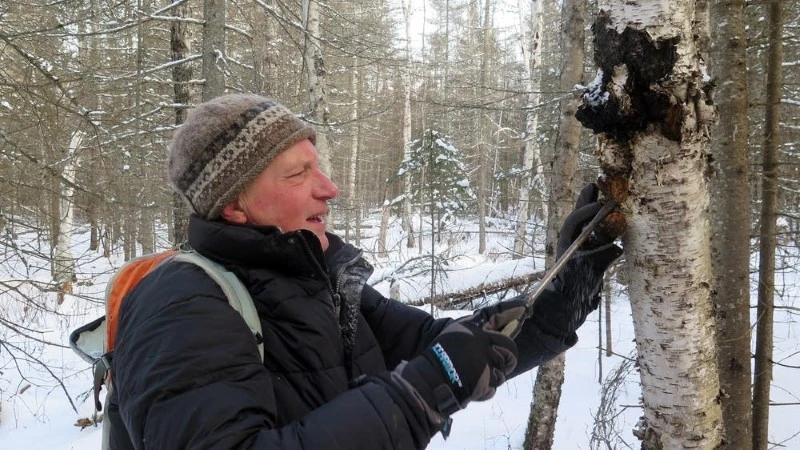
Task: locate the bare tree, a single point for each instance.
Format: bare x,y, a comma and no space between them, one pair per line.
531,159
483,124
768,232
214,52
181,75
408,224
550,376
730,219
316,72
63,261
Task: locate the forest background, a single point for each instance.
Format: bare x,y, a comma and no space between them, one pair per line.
429,111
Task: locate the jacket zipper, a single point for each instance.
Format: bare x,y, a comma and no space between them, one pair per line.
335,297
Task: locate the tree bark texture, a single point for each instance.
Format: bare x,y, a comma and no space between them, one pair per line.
730,212
550,377
214,59
485,134
318,96
649,105
532,51
408,224
546,398
63,261
181,75
767,233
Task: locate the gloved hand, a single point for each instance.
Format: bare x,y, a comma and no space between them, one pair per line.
577,287
467,361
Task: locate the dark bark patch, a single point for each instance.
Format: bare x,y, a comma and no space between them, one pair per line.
623,111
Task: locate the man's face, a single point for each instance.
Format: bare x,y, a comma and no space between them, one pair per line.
292,193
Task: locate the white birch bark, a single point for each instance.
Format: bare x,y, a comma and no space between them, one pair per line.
407,218
317,91
668,258
532,52
655,162
63,262
353,204
315,68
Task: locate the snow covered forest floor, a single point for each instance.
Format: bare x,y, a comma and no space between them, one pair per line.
40,377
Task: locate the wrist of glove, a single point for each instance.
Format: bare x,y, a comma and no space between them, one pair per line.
575,292
466,362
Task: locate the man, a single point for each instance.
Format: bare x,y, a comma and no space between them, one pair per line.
344,367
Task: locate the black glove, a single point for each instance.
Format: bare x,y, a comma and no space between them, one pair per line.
576,289
467,361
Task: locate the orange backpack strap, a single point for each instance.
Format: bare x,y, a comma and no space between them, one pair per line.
123,281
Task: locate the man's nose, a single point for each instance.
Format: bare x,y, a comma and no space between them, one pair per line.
326,188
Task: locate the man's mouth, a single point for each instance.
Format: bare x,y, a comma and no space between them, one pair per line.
320,218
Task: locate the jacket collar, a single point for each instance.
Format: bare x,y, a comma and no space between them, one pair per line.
254,246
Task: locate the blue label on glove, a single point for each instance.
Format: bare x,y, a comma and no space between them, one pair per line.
444,358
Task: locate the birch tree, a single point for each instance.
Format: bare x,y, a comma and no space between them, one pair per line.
531,158
353,203
483,125
63,262
408,225
315,70
649,105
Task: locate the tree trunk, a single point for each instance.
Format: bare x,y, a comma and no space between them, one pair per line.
649,104
609,334
315,68
181,75
544,408
550,377
145,233
317,90
63,262
408,226
767,233
531,159
384,228
353,210
214,59
93,202
485,135
265,57
730,212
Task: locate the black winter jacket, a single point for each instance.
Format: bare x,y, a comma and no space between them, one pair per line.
186,368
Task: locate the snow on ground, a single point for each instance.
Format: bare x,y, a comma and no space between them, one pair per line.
41,416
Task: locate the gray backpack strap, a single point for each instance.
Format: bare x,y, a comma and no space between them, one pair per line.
236,293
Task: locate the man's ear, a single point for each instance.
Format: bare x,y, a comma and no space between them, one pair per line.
234,212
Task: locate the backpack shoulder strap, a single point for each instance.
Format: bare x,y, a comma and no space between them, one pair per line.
236,293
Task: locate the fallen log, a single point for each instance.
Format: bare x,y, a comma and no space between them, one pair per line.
462,299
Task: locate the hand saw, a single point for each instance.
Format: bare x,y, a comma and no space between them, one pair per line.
514,327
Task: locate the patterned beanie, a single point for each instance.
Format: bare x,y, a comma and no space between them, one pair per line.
225,144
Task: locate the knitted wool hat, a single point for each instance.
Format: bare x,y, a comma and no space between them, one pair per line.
225,144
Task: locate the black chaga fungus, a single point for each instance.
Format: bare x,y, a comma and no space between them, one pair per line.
623,110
